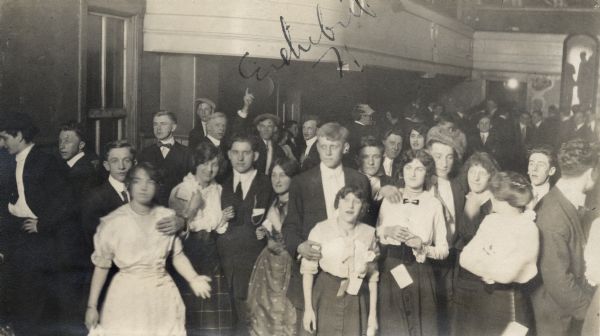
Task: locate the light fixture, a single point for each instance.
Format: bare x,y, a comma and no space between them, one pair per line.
512,84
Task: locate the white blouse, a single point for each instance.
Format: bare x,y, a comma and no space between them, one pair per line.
425,220
592,254
505,249
343,255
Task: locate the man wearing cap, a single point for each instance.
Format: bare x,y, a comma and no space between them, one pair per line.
40,200
362,125
268,149
204,108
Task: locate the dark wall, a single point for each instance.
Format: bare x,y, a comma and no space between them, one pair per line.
39,61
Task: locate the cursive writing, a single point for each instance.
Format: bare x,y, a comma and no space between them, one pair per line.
294,51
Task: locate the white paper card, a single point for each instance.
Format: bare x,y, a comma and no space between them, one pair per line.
258,212
354,286
515,329
401,276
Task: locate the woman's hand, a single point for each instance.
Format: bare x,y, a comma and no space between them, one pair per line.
397,232
200,286
414,242
91,317
372,326
309,322
261,232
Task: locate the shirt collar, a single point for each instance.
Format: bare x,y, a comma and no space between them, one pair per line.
311,141
358,122
538,124
541,189
484,133
170,140
576,197
72,161
245,177
214,140
326,171
117,185
22,155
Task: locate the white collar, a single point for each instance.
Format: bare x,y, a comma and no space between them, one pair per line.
443,181
541,189
484,133
72,161
522,125
170,140
245,177
22,155
358,122
311,141
242,114
538,124
387,159
578,127
117,185
214,140
576,197
565,118
326,171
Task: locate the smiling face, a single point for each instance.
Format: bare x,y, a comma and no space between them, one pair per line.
266,128
207,171
163,127
349,208
539,169
330,152
414,174
142,188
443,155
309,129
417,141
242,156
118,163
392,145
370,160
280,181
69,144
478,178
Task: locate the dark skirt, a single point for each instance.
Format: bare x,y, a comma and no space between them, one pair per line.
486,310
212,316
410,310
343,315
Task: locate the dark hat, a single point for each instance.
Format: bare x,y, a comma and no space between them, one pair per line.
205,101
260,118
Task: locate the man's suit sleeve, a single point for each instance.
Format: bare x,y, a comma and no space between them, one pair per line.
59,205
292,225
555,269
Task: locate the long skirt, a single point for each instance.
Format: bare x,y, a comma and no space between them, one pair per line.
338,315
269,310
212,316
410,310
486,310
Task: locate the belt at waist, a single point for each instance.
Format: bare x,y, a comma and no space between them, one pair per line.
402,252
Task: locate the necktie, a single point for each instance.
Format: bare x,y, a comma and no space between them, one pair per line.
165,145
269,157
406,200
125,196
238,191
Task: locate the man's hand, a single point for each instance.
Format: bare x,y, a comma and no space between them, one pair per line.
30,225
261,232
248,100
391,193
310,250
170,225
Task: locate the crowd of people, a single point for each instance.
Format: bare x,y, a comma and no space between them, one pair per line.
420,222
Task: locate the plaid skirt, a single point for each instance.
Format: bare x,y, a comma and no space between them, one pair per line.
212,316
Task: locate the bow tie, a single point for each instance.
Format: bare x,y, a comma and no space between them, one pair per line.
166,145
406,200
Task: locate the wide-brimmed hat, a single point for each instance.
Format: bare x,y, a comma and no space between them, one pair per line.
450,137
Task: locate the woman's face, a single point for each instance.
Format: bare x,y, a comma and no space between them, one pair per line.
206,172
414,174
142,188
478,178
417,141
280,181
349,208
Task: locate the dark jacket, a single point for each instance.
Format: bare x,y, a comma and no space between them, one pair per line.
311,160
261,162
196,135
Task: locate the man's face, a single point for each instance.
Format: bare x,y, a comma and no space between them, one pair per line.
539,169
266,128
579,118
12,143
370,160
204,111
443,155
293,129
484,125
392,145
242,156
69,144
216,128
309,129
163,127
118,163
366,118
330,152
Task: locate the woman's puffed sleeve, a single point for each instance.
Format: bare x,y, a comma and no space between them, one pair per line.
104,245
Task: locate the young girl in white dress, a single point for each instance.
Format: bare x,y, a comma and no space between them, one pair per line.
504,255
142,298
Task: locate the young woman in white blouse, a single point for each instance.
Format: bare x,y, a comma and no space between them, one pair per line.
335,306
503,254
411,232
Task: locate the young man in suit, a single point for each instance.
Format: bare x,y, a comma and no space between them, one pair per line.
312,196
392,145
204,109
248,193
171,158
561,299
309,156
540,168
486,139
267,147
40,201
